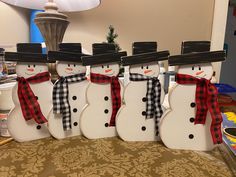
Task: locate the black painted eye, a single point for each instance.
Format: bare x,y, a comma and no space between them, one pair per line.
200,68
102,66
141,67
28,66
192,67
107,66
74,65
68,65
34,66
146,67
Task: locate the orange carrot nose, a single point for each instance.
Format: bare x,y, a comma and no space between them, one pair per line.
30,69
198,73
69,69
108,70
147,71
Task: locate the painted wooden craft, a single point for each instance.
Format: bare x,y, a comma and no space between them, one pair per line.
63,123
30,126
183,126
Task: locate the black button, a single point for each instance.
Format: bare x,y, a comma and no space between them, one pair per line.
144,99
38,127
106,111
75,110
191,119
193,105
144,113
191,136
143,128
36,97
106,124
75,123
106,98
74,97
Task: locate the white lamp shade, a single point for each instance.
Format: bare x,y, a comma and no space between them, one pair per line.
63,5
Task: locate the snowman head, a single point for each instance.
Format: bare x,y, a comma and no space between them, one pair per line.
65,68
29,69
148,69
109,69
204,70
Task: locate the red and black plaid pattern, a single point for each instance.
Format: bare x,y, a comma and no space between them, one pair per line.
115,92
206,99
28,102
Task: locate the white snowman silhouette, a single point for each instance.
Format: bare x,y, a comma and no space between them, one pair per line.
96,116
69,64
177,127
20,129
132,124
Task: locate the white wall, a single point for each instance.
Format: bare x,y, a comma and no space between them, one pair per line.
14,25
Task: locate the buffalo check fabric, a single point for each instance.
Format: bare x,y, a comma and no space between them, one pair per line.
115,92
61,103
153,95
29,105
206,99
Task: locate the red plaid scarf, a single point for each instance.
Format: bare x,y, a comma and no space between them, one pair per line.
115,92
206,99
28,102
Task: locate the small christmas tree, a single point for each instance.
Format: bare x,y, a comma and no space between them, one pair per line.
111,36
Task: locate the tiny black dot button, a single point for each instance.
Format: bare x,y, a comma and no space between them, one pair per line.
143,128
38,127
191,119
191,136
106,111
74,97
106,98
36,97
75,110
144,99
75,124
193,105
106,124
144,113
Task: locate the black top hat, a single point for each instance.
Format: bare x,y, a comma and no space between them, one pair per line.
27,52
195,46
195,58
145,58
67,52
144,47
103,53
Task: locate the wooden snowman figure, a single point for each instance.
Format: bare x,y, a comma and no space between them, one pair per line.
104,93
32,95
194,120
68,91
138,118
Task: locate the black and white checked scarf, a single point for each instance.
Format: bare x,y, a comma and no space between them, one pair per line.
153,95
61,103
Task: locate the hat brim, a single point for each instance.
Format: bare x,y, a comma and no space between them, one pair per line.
26,57
103,58
197,58
145,58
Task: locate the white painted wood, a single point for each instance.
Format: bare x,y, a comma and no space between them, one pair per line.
76,90
20,129
130,121
218,30
93,118
175,126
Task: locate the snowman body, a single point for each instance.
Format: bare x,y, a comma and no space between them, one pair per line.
132,124
177,128
20,129
96,116
77,101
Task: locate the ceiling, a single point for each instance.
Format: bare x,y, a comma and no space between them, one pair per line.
63,5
